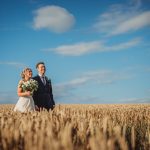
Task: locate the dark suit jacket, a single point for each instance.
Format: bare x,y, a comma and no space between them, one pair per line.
43,97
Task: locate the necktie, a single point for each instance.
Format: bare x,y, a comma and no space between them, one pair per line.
44,82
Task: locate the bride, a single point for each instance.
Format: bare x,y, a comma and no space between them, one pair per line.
25,90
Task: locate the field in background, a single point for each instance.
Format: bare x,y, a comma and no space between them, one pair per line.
77,127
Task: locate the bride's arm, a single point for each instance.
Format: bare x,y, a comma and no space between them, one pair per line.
20,93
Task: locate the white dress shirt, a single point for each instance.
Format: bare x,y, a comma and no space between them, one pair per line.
42,77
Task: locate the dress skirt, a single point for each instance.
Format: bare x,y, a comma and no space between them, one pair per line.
25,104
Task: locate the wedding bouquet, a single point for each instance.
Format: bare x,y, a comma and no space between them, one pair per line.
31,85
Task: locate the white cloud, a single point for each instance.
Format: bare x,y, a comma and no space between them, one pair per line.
132,24
97,77
85,78
119,19
76,99
135,100
53,18
125,45
78,48
82,48
14,64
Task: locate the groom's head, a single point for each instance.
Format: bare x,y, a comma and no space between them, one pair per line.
40,66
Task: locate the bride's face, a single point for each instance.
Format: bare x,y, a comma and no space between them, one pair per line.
28,73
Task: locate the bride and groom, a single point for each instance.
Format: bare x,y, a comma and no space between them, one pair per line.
35,93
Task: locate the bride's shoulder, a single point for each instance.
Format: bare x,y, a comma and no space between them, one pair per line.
20,83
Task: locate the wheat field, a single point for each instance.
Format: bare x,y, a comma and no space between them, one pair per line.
77,127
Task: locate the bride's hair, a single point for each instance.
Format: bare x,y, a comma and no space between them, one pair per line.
24,71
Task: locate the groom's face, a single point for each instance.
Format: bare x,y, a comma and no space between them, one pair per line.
41,69
29,73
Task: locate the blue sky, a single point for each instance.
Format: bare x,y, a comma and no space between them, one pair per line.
96,51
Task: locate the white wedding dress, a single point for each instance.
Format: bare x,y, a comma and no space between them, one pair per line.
25,104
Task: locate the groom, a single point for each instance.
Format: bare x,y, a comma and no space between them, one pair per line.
43,97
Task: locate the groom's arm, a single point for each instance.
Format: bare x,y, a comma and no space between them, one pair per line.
51,93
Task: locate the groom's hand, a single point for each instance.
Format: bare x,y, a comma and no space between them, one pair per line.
36,107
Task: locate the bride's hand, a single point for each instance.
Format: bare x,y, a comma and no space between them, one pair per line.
27,93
